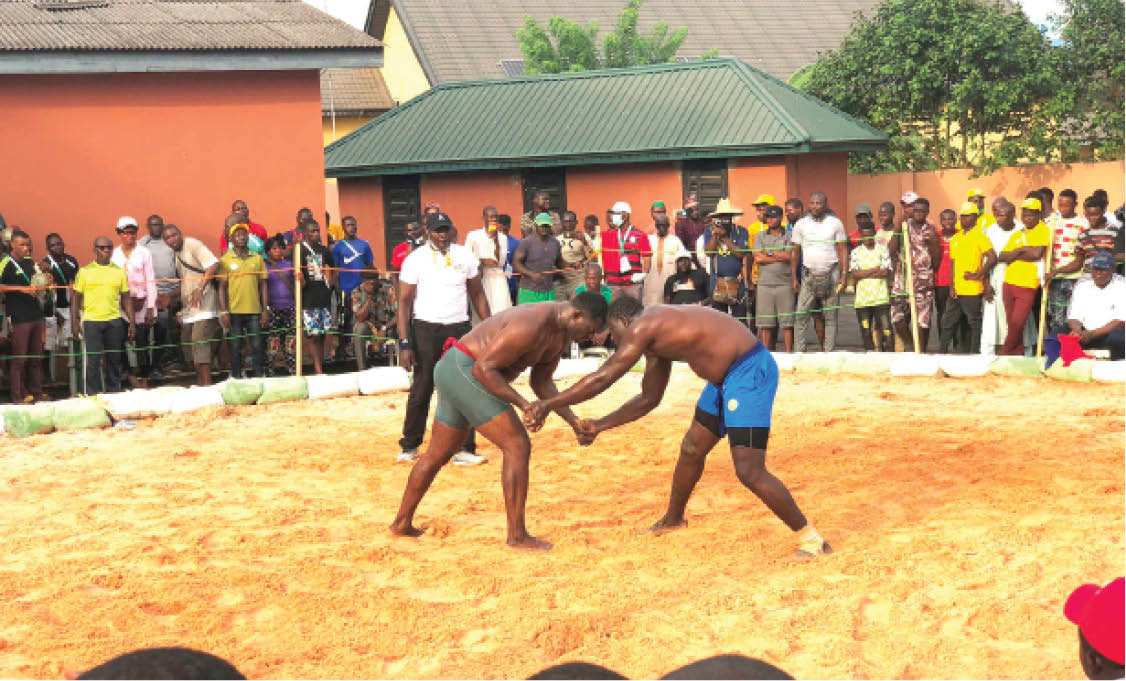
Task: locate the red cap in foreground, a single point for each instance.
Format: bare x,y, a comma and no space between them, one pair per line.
1100,612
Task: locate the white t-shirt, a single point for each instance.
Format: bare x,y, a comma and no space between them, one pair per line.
442,296
818,241
1095,307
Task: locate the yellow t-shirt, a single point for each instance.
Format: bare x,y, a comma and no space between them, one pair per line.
1024,273
243,275
336,232
101,287
753,231
966,249
984,221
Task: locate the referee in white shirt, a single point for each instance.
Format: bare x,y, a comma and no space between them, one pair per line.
436,283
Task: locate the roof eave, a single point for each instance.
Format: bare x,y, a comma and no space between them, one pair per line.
141,61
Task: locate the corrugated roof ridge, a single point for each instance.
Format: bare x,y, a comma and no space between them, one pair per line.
820,103
589,75
747,74
388,116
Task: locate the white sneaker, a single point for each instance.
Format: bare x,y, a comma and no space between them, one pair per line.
407,456
464,458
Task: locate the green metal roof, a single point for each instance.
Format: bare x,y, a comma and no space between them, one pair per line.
717,108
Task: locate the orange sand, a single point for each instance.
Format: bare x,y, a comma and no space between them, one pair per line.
958,538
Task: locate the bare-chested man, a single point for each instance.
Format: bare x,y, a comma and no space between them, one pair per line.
473,391
742,379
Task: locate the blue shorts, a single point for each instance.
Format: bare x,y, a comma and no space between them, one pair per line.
746,397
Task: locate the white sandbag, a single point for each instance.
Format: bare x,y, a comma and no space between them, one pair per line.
1109,372
1079,371
786,360
820,362
138,404
964,366
77,413
196,398
383,380
915,365
22,420
324,386
1028,367
868,363
569,368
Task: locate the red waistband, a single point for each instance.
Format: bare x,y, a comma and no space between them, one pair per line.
452,342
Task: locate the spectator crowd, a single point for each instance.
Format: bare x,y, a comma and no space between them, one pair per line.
981,276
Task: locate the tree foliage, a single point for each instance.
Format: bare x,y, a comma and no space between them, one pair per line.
971,83
564,45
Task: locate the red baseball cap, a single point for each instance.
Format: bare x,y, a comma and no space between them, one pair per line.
1100,612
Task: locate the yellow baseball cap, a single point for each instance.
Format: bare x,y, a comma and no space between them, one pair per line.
970,208
765,198
974,192
1031,204
234,228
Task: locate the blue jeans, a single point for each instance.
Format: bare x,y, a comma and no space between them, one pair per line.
243,325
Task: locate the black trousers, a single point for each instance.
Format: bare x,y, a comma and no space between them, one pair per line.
104,339
959,311
427,340
875,318
1115,341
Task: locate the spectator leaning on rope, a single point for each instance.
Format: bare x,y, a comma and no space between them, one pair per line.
317,277
167,286
101,298
436,285
196,266
25,309
626,253
925,253
535,257
62,268
819,243
280,303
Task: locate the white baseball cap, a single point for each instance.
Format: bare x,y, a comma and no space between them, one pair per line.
621,207
126,221
909,197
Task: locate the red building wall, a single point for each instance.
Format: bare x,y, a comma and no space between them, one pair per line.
81,150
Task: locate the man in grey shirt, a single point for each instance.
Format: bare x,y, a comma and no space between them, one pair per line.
167,288
535,258
774,298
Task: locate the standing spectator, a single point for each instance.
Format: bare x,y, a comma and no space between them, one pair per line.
774,303
196,266
1104,201
242,299
541,203
688,285
729,249
576,250
490,246
1066,260
591,227
317,279
971,260
626,254
795,210
592,281
373,314
352,256
294,235
167,286
136,260
666,249
885,228
657,211
1098,308
925,252
416,236
689,226
819,242
906,207
984,219
1023,253
535,258
101,300
62,268
258,235
280,289
1099,613
504,226
436,286
1099,235
947,226
869,268
1048,214
25,311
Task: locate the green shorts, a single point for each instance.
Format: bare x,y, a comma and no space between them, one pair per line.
462,400
524,296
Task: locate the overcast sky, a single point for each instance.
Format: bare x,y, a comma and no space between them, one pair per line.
355,11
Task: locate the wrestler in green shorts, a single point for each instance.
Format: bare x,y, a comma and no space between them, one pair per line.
462,400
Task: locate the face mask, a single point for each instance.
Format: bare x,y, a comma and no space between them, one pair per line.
866,224
616,220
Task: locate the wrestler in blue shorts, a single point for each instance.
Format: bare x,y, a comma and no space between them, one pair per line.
740,407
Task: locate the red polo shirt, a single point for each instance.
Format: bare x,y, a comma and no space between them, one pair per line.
636,246
399,254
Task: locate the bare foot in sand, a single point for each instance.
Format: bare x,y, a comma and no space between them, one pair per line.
407,530
802,554
666,525
529,543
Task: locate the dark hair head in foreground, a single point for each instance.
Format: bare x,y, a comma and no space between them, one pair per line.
728,667
164,663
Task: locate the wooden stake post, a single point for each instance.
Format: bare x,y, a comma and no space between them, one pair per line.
297,245
1044,294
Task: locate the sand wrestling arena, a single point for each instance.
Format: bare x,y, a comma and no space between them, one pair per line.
962,512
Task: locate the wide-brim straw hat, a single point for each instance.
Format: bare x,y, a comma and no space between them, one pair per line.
724,207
